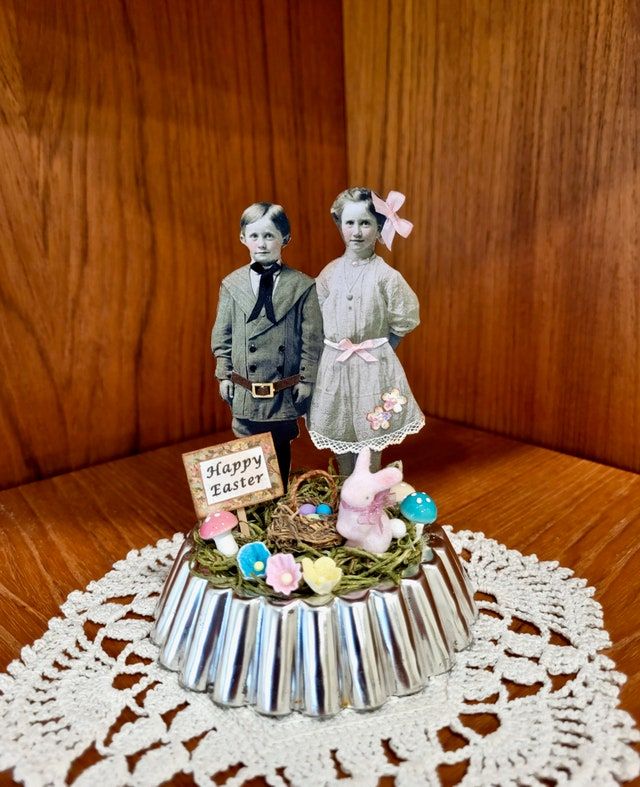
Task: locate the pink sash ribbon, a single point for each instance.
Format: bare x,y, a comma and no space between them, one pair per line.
360,350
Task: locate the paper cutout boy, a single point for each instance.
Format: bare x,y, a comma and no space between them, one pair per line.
267,335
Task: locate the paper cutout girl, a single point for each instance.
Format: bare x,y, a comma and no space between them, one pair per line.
362,397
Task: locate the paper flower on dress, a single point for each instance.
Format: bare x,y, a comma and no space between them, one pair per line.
283,573
252,559
322,575
378,419
393,400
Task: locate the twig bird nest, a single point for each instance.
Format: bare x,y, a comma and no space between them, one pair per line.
289,529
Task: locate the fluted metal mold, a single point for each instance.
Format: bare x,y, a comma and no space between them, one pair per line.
312,655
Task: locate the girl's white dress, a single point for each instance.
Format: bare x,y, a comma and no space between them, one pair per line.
361,396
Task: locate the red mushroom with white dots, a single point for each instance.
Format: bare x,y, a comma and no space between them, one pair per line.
218,526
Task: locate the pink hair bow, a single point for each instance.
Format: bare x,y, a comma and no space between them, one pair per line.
394,223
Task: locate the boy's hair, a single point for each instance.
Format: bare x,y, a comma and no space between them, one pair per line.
273,212
356,194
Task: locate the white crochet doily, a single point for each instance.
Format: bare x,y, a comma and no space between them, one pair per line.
531,700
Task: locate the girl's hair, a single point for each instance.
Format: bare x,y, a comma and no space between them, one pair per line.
356,194
273,212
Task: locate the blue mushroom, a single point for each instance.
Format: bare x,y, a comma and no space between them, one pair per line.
252,559
420,509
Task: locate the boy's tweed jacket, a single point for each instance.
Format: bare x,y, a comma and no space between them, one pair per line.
262,351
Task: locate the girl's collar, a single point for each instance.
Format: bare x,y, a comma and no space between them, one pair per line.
355,261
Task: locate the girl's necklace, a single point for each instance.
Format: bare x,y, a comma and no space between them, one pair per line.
359,275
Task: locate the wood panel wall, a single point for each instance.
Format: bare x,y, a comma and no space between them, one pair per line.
512,126
134,133
132,136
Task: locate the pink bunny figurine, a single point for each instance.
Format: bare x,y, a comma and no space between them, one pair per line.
361,517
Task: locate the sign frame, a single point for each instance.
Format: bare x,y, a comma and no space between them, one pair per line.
192,461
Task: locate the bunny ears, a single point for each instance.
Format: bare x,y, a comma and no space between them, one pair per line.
389,208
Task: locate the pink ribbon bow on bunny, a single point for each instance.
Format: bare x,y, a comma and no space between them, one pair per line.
372,514
393,224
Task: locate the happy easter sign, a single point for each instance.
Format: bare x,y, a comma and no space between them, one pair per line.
233,475
225,478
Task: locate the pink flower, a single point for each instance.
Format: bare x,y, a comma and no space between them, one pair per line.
393,400
283,573
378,419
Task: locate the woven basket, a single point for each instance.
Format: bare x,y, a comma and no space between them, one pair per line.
289,529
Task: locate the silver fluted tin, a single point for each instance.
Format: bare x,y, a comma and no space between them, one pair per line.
316,655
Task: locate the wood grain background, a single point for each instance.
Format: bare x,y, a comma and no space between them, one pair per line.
132,136
134,133
512,127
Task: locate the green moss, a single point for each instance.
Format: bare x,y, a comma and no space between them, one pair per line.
360,569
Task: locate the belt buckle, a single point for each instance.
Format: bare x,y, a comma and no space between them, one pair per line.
258,390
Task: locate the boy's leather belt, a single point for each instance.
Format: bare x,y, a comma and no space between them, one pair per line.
265,390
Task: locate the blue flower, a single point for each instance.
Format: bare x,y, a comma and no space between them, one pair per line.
252,559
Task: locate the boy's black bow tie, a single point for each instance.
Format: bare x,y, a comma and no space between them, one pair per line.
265,292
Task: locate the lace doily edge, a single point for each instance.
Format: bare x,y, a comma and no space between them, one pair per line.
148,558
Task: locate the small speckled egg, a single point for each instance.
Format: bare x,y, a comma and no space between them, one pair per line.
324,510
400,491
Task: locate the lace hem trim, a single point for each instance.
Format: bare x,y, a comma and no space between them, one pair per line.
377,443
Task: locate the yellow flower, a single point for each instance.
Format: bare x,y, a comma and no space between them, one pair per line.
322,575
